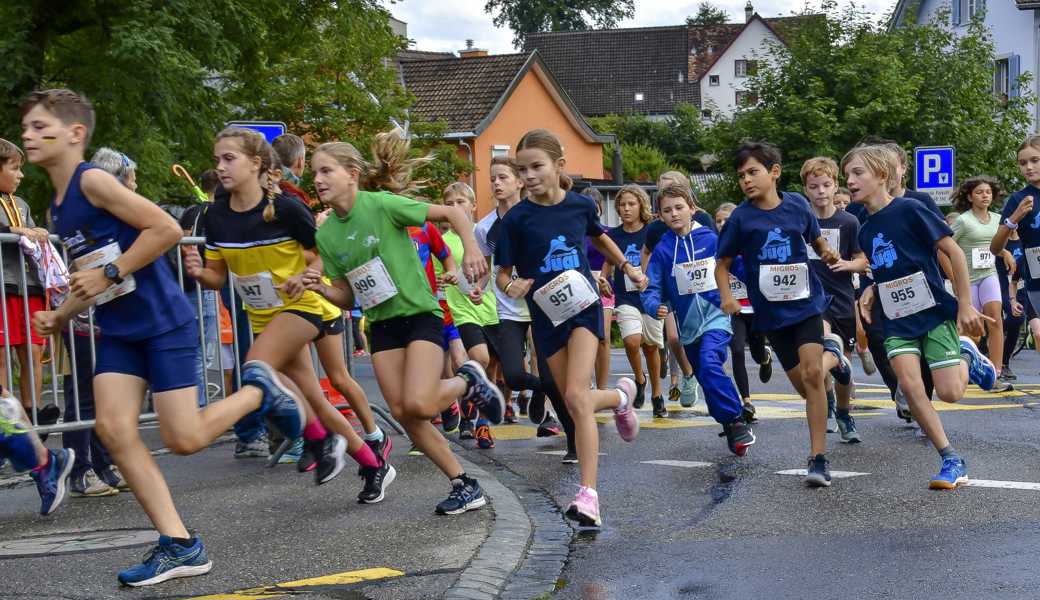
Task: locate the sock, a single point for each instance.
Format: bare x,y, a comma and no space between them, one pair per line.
465,479
365,457
842,412
591,491
184,542
948,452
314,431
375,436
623,403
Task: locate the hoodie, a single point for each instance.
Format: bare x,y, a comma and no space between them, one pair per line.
694,313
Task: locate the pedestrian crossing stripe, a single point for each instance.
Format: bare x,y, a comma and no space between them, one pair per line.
687,464
834,474
1006,485
284,589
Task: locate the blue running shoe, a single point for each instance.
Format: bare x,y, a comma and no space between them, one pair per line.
52,481
482,392
842,372
166,561
463,497
818,474
980,371
954,473
279,405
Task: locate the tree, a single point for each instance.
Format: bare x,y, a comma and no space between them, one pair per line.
526,16
164,76
680,138
708,14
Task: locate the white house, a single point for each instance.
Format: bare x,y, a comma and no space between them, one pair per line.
1015,28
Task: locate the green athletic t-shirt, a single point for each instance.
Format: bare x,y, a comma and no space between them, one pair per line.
462,310
375,227
969,233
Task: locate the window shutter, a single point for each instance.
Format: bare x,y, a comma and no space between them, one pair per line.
955,15
1014,71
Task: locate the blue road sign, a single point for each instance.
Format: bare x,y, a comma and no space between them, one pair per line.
934,171
270,129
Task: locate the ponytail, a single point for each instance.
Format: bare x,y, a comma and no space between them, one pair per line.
391,168
566,183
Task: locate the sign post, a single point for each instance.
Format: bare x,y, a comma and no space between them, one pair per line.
270,129
934,170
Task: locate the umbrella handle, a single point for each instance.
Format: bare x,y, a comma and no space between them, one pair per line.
180,171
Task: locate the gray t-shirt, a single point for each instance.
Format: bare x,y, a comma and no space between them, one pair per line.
13,252
486,232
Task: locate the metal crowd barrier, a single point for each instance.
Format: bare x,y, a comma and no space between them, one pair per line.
53,391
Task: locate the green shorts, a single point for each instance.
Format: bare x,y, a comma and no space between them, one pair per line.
941,346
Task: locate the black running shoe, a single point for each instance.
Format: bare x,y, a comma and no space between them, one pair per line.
548,428
765,370
309,459
1007,374
463,497
376,482
450,418
333,458
660,411
739,436
640,398
570,458
381,448
748,413
536,408
466,430
482,392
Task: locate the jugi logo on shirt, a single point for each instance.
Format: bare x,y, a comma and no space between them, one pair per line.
560,257
632,254
777,247
1036,221
882,254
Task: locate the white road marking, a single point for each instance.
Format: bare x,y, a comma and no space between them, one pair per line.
834,474
1007,485
689,464
559,453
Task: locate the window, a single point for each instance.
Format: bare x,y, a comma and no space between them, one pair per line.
499,150
713,80
745,98
1006,71
745,68
705,114
966,10
639,96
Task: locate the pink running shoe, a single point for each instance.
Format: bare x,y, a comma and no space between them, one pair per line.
585,508
626,420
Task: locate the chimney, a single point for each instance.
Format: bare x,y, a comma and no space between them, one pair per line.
470,52
749,11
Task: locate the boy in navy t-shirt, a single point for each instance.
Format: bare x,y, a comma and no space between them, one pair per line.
920,319
772,232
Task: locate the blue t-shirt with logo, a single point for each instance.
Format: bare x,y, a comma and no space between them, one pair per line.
543,241
899,240
630,244
1028,228
769,237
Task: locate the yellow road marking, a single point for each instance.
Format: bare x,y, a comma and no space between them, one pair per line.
281,589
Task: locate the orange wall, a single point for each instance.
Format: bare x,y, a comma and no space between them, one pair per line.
529,107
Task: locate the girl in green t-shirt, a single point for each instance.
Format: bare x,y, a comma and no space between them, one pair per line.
367,253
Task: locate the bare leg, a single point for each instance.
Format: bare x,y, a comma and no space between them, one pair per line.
653,366
330,353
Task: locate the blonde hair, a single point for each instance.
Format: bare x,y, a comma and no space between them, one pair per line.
880,160
641,197
254,145
819,166
390,169
460,188
546,141
677,190
1032,141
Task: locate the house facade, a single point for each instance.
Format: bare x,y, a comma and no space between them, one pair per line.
1015,29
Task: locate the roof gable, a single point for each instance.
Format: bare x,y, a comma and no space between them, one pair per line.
713,58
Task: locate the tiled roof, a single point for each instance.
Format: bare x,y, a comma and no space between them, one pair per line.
706,42
1027,4
603,70
412,54
460,91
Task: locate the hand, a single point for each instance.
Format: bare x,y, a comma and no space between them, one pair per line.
637,277
47,322
35,234
519,288
866,303
1016,308
192,261
1024,208
320,217
293,287
87,284
476,295
731,306
474,265
830,255
1009,263
449,278
971,322
311,280
604,286
842,266
662,311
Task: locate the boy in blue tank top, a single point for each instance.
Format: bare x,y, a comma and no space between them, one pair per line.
114,238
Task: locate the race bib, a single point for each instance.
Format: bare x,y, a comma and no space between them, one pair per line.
696,276
833,237
1033,261
630,286
783,283
905,296
737,288
372,284
97,259
258,291
566,295
981,258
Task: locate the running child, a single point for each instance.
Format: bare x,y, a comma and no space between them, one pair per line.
20,445
116,239
772,231
367,253
920,317
543,238
681,275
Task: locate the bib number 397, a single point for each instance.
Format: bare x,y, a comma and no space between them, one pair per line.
565,296
371,283
783,283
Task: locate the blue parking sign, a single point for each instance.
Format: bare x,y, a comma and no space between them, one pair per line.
934,171
270,129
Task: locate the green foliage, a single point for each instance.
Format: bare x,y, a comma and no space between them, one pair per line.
680,137
527,16
708,14
640,161
164,76
446,167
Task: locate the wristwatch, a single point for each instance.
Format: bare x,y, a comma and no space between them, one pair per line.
1010,224
111,271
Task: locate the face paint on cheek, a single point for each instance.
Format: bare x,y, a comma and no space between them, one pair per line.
49,139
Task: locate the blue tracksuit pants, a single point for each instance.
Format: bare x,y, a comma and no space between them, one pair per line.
707,356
